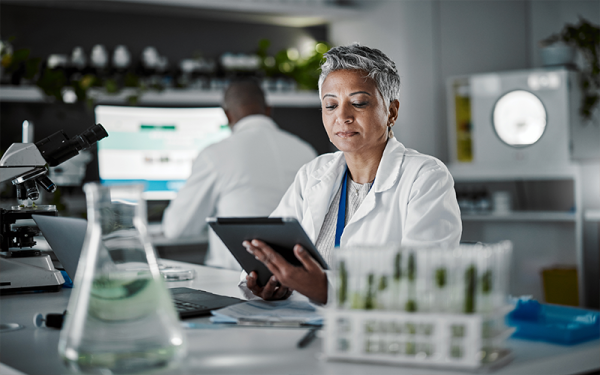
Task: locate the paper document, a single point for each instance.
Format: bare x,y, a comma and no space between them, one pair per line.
275,313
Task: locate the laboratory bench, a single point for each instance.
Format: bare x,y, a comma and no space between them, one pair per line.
185,249
229,349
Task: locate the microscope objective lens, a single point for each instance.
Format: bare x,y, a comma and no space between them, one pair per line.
32,190
21,192
47,184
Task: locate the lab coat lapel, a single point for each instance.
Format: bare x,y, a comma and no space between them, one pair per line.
390,166
326,180
388,173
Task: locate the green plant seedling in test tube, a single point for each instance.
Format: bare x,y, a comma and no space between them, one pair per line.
343,290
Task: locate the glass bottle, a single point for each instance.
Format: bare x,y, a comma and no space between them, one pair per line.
120,317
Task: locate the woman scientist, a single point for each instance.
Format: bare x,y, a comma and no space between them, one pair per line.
389,193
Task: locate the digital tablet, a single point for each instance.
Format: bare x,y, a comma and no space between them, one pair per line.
282,234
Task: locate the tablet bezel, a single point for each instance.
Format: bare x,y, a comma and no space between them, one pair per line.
281,233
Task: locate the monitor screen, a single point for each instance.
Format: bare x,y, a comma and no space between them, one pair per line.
155,146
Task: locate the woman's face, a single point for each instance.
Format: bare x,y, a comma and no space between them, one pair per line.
354,113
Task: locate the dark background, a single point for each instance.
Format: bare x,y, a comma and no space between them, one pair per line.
50,29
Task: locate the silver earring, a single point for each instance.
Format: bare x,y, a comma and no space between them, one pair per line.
390,132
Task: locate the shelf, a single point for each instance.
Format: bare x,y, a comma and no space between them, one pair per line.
472,172
188,97
592,215
530,216
20,94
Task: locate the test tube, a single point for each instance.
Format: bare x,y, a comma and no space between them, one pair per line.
470,282
424,279
411,274
384,287
396,279
486,273
440,275
456,285
342,283
503,266
356,281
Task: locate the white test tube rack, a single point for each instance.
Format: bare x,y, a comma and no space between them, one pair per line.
417,339
448,338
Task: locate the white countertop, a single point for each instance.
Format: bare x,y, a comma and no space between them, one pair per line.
251,350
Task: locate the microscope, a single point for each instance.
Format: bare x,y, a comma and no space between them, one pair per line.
26,165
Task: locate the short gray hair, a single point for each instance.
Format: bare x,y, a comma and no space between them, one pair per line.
373,62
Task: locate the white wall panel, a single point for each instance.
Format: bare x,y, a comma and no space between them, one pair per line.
403,30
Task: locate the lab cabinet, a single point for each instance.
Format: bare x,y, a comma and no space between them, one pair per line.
549,222
518,134
541,220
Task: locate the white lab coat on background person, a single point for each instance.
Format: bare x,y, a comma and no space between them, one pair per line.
243,175
412,202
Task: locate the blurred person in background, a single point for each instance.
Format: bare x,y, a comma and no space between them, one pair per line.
243,175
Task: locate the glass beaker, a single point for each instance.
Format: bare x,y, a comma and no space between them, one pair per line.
120,317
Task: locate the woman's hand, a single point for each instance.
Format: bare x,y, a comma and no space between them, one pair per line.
271,291
309,280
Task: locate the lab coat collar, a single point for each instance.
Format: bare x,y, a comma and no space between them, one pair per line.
331,170
252,122
330,175
388,171
319,196
387,175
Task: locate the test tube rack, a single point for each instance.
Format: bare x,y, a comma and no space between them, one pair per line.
467,341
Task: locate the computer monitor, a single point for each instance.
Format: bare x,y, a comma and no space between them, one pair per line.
155,146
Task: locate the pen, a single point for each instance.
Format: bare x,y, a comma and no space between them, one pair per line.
308,337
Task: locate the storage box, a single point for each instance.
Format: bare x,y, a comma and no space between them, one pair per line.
552,323
560,286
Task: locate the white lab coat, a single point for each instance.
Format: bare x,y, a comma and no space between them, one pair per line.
412,202
243,175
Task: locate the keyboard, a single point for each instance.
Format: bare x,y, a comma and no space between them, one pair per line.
193,302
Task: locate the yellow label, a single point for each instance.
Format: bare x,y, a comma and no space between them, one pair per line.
462,102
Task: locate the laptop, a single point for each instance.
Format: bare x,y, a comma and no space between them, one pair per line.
65,236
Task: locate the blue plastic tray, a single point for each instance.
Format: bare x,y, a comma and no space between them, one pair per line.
553,323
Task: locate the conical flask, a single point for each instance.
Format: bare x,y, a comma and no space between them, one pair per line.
120,318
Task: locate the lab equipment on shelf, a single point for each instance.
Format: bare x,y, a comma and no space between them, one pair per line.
420,306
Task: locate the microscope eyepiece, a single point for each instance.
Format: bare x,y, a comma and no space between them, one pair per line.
58,148
94,134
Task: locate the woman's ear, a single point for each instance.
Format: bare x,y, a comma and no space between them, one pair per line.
393,113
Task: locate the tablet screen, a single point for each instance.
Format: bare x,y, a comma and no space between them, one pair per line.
282,234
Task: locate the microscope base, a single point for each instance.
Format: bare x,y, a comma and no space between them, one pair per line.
29,274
